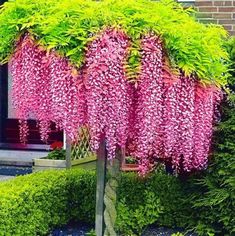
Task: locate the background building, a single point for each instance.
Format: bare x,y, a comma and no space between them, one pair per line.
215,11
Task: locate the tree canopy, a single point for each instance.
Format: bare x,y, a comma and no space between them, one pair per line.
68,26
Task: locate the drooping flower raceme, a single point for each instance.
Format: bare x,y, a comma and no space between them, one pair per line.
47,88
30,81
68,102
149,111
108,91
178,123
206,101
172,123
188,123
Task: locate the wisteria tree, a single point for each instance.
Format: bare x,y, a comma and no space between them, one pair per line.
144,78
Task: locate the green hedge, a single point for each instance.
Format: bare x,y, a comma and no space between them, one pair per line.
30,205
34,204
159,198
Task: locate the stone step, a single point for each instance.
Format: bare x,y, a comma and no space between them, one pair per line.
13,162
19,158
5,177
6,162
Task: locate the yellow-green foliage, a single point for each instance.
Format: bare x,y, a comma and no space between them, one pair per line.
30,205
68,25
33,204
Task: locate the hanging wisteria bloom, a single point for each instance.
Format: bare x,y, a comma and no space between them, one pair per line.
47,88
170,121
67,96
184,130
206,102
29,83
108,91
149,111
179,123
189,110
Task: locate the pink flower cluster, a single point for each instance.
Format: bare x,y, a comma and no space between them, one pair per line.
149,106
108,91
173,117
167,117
47,88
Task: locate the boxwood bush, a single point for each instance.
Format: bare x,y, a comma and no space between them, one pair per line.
158,198
36,203
33,204
30,205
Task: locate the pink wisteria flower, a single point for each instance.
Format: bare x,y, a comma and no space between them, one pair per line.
108,91
167,117
48,88
149,108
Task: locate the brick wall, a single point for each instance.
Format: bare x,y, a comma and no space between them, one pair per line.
218,12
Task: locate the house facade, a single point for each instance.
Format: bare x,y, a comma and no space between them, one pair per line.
210,11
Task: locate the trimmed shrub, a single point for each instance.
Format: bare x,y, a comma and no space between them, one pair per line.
157,199
30,205
82,185
33,204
